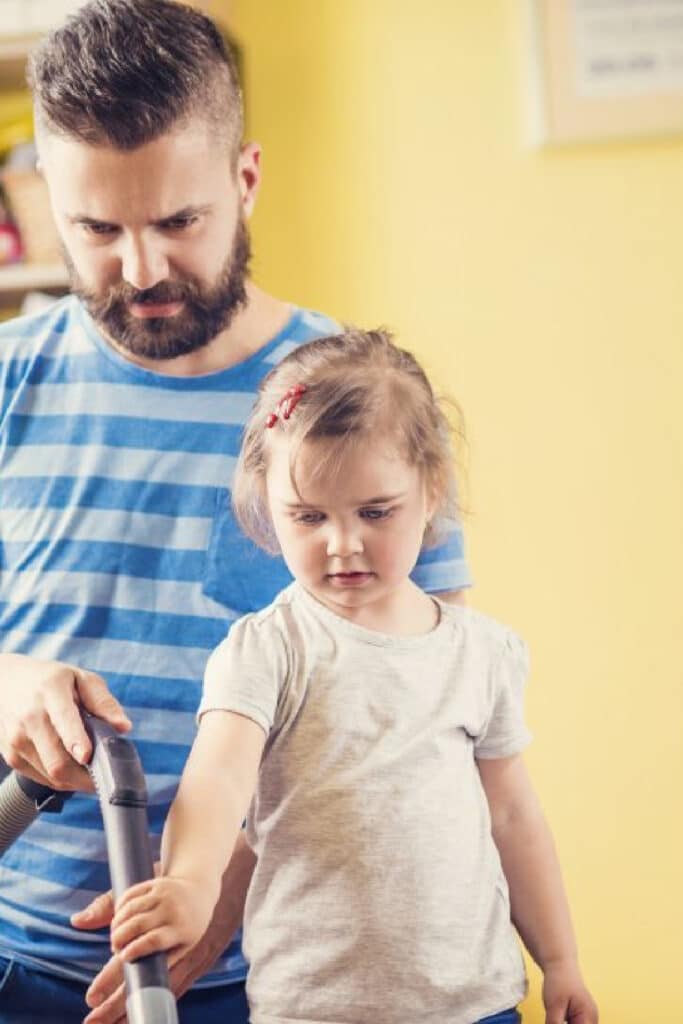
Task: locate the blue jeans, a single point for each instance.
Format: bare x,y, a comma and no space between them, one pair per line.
28,997
511,1016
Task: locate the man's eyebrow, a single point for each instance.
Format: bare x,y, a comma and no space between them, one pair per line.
185,212
83,218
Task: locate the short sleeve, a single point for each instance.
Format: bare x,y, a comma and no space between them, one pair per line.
443,567
247,671
505,732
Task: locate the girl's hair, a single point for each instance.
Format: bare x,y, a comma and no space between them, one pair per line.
359,386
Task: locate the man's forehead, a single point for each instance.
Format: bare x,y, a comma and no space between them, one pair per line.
152,182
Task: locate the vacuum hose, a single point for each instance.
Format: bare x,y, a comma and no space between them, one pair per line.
120,784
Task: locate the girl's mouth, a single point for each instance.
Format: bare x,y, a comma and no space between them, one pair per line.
349,579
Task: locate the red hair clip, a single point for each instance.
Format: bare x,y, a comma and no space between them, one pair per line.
286,405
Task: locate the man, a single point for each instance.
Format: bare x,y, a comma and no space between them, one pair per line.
120,416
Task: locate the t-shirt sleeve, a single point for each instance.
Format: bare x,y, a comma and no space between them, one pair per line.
505,732
444,566
247,671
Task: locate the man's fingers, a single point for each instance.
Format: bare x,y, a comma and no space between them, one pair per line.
107,984
61,704
52,755
26,763
107,1002
95,697
97,914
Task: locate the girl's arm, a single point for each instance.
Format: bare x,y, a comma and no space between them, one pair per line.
172,912
540,911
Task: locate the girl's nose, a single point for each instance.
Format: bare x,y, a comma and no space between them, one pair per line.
343,542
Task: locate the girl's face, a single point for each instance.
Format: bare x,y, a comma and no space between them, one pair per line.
351,537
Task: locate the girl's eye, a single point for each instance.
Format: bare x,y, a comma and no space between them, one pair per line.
375,513
309,518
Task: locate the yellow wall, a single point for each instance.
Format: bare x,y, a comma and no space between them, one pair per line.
544,290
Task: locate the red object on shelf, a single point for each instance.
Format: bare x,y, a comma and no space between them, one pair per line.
10,244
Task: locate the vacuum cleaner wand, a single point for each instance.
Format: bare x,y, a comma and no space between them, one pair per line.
120,784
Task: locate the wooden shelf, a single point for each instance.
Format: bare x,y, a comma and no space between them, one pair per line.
17,48
19,277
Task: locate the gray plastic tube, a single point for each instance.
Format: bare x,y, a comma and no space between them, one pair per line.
21,800
120,783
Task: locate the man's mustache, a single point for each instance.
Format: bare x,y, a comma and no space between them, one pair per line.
158,294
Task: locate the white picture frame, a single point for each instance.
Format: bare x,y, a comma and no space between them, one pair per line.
605,69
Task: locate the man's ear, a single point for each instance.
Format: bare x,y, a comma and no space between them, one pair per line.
249,175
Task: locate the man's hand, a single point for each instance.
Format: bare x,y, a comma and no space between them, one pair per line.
107,995
41,730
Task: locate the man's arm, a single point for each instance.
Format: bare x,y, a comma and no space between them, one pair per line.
539,907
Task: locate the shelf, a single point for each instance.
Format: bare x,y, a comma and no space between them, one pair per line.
17,48
20,277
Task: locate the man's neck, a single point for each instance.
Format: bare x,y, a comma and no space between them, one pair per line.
252,327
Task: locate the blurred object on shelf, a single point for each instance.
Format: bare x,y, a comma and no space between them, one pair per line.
36,302
10,243
25,17
16,118
29,204
10,239
23,156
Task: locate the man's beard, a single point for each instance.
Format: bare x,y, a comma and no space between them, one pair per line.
204,314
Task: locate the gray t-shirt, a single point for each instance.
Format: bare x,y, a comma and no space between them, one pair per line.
378,895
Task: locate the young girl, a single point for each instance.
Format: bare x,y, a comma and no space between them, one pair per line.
372,732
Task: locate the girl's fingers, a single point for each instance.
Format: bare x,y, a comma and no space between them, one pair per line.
138,896
156,940
124,932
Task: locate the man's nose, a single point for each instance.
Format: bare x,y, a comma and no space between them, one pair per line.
143,264
344,541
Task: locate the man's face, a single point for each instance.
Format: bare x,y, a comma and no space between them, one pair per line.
155,238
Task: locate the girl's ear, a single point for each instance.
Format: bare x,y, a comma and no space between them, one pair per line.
432,501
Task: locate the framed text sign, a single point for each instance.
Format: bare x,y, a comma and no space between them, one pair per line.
605,69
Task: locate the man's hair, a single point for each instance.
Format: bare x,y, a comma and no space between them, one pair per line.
125,72
358,388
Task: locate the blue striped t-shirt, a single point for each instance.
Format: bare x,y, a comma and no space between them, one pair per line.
119,553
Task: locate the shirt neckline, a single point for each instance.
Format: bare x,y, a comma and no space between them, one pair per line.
199,381
373,637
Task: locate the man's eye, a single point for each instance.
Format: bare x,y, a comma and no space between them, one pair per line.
178,223
95,228
375,513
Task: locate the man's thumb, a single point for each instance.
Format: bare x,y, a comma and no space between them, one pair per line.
97,914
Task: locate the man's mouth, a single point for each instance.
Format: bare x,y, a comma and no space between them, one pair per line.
147,310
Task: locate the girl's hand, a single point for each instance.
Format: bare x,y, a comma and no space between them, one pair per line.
162,914
565,997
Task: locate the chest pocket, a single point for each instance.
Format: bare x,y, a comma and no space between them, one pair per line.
239,574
